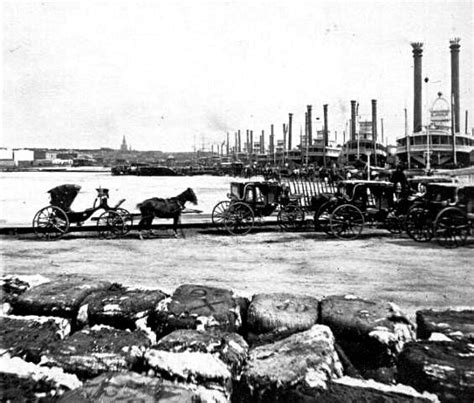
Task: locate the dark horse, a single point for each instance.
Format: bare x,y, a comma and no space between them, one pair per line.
164,208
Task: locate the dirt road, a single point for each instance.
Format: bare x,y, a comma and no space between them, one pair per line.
376,266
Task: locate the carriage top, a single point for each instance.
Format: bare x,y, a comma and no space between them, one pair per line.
63,195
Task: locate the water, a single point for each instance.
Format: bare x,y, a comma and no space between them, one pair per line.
24,193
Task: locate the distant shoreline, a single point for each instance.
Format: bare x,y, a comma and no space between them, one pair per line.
58,169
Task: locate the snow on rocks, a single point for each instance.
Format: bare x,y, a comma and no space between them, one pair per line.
372,333
30,336
100,349
453,324
292,369
118,306
61,297
197,307
444,368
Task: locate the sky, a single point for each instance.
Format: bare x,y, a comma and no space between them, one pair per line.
178,75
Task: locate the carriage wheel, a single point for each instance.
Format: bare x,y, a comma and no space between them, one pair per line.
394,224
451,227
346,222
110,225
50,223
322,218
419,226
290,217
239,219
127,219
219,213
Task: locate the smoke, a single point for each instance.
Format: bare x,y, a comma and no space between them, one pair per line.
217,123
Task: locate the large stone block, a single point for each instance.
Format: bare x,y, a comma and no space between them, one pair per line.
29,336
192,368
444,368
22,381
197,307
62,297
295,369
13,286
348,389
91,352
231,348
118,306
132,387
451,323
372,333
274,316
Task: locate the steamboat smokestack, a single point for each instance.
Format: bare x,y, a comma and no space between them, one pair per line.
290,126
325,133
454,46
310,128
417,104
374,128
353,120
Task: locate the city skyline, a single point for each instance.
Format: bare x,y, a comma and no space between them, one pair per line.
172,75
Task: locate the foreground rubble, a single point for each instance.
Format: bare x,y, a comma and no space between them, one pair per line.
74,340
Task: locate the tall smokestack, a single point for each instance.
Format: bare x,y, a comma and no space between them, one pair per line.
417,104
262,142
325,133
454,46
374,128
239,147
353,120
310,128
272,144
290,128
251,142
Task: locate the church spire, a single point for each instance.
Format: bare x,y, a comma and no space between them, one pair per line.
124,147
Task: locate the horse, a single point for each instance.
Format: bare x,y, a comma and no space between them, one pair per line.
164,208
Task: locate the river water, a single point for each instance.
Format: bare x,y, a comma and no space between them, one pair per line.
24,193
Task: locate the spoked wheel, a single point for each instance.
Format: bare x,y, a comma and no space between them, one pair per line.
110,225
50,223
451,227
239,219
346,222
322,218
419,226
290,218
219,213
127,219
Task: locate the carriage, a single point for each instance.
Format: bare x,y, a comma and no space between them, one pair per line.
444,212
53,221
360,203
255,200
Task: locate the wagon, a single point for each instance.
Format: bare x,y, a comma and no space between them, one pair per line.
422,214
54,221
360,203
254,200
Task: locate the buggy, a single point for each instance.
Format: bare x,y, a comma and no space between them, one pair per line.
53,221
359,203
250,200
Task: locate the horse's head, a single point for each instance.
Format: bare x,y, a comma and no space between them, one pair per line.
191,196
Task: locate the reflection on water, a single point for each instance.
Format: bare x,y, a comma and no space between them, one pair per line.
24,193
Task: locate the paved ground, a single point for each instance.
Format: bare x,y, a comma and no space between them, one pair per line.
378,265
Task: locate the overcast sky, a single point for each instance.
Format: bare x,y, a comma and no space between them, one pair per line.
171,75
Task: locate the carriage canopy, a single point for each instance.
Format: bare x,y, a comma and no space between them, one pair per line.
62,196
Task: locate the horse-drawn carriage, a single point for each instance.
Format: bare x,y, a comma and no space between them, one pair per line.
53,221
360,203
445,212
251,200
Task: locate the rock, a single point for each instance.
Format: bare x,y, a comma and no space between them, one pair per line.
272,315
197,307
372,333
444,368
195,368
290,370
452,323
348,389
58,298
25,381
91,352
29,336
231,348
118,307
12,288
